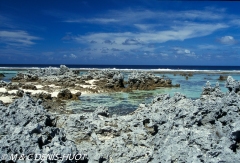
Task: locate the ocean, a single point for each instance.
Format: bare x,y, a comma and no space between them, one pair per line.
98,66
122,102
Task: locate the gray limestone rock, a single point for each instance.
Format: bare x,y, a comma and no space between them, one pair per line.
169,129
3,83
26,128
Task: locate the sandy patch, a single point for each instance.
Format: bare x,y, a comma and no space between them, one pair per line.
6,99
39,86
86,86
33,92
54,94
3,90
53,85
74,91
13,91
91,81
91,86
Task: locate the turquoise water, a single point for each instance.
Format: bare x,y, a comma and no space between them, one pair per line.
8,75
122,103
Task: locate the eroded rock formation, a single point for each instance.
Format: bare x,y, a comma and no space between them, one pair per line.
169,129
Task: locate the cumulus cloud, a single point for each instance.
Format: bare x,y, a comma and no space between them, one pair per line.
207,46
92,20
131,42
17,38
185,52
93,42
109,42
71,56
164,54
67,37
104,50
116,50
227,40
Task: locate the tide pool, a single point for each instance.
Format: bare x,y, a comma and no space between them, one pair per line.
121,103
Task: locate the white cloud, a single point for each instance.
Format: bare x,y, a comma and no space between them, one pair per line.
92,20
207,46
17,38
164,54
227,40
73,56
131,42
136,16
187,31
235,22
109,42
185,52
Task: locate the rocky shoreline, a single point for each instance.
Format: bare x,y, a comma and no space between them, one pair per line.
56,85
169,129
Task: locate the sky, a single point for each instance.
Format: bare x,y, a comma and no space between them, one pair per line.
139,32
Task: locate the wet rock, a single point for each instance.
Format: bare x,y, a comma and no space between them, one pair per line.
20,93
64,94
2,75
12,86
76,96
26,77
222,77
3,83
186,74
29,86
43,96
147,81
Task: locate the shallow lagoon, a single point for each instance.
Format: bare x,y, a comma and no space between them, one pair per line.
122,103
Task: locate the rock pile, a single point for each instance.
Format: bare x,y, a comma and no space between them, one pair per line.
46,74
114,80
65,94
102,74
104,80
147,81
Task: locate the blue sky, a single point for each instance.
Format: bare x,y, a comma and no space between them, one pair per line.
149,32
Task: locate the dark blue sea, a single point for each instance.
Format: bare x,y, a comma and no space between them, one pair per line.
98,66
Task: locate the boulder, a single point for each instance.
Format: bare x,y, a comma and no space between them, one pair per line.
222,77
2,75
3,83
29,86
64,94
20,93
